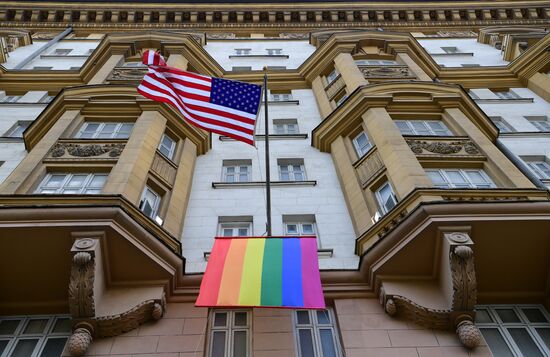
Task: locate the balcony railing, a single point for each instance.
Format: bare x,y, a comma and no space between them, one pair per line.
393,72
369,166
123,75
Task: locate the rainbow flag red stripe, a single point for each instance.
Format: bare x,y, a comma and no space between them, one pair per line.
260,271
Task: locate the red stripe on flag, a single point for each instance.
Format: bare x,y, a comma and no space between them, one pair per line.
210,285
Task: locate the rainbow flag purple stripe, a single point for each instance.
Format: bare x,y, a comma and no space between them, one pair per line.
263,272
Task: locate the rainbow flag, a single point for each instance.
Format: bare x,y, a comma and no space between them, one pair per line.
263,272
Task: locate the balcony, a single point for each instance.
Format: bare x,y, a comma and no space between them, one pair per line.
391,72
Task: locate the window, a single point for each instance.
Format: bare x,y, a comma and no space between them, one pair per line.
386,198
540,122
362,144
507,95
230,227
285,126
167,146
540,168
450,49
316,334
97,130
10,99
376,63
276,68
242,51
332,76
42,68
459,178
34,335
282,97
423,127
291,169
501,125
299,225
274,51
241,68
237,170
77,183
150,203
515,330
18,129
62,51
340,99
230,333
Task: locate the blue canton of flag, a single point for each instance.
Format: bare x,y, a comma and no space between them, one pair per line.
236,95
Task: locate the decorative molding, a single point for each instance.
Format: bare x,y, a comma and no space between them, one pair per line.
79,341
387,72
463,276
81,285
443,148
294,35
478,198
392,224
221,36
88,150
108,326
126,74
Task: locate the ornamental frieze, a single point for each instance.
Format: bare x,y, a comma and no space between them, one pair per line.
387,72
86,150
127,74
443,148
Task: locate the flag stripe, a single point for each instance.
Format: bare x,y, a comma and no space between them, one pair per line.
233,269
251,282
272,277
313,292
292,273
213,274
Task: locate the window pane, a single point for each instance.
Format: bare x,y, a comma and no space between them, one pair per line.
36,326
230,178
524,341
3,344
24,348
475,176
107,131
437,178
456,178
327,343
165,151
92,191
307,228
544,334
8,327
534,315
71,191
404,127
76,181
496,343
55,181
98,181
91,127
306,343
507,315
220,318
240,319
243,232
420,128
124,131
228,232
239,344
63,325
323,317
218,344
54,347
303,317
279,129
292,229
482,316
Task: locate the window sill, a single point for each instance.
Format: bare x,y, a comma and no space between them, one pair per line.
62,56
271,137
23,103
258,56
321,254
512,100
9,139
262,184
524,134
283,102
471,54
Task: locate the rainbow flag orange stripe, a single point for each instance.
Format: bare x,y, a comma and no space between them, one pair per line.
260,271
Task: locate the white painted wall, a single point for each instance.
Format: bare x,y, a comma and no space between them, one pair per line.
325,200
298,52
483,54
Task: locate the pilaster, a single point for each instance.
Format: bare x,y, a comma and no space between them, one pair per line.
106,69
349,71
415,68
540,84
322,101
177,61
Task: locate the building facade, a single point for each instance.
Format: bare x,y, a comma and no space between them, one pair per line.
413,139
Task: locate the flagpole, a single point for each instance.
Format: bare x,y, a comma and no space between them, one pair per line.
267,171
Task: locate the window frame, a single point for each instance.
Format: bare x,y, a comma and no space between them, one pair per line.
42,337
427,127
230,328
285,125
540,173
540,122
358,149
462,172
235,226
236,165
290,163
171,150
242,51
274,51
96,133
300,228
155,208
331,77
376,62
281,97
501,124
68,176
507,95
10,98
314,326
450,49
379,200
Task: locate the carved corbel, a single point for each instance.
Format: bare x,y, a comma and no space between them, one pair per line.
81,339
81,283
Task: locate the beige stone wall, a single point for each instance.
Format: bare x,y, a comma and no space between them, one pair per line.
367,330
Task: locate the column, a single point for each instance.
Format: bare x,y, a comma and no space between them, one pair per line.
349,71
540,84
30,169
181,189
415,68
129,175
353,192
322,100
497,164
106,69
178,61
403,168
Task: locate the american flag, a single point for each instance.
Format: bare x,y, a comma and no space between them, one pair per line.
218,105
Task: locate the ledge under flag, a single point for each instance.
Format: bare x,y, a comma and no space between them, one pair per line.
262,272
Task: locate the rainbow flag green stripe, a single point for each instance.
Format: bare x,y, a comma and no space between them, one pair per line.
269,272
